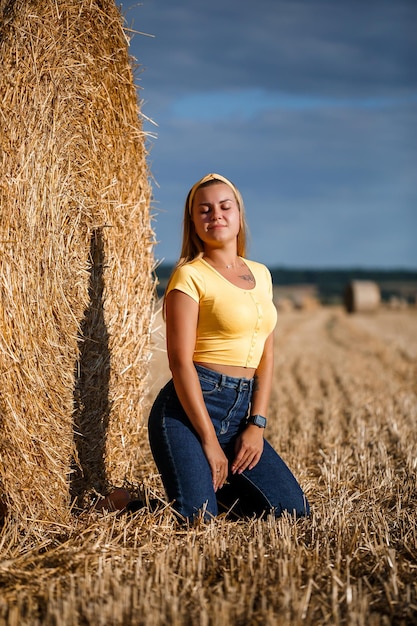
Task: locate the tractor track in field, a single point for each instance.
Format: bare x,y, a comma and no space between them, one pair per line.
334,370
333,351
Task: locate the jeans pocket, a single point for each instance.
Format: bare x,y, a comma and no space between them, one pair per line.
208,387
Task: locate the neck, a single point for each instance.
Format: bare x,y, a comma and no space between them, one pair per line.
217,259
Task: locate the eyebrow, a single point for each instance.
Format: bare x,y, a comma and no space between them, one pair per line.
211,203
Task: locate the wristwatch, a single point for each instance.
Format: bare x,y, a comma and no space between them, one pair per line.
258,420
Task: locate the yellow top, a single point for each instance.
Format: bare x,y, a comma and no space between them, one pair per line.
233,323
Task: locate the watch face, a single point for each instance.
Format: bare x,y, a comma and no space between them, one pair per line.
259,420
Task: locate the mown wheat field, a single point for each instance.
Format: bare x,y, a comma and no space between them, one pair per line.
343,415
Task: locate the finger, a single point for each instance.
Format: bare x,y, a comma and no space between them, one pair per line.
249,461
241,463
239,459
254,461
219,477
214,477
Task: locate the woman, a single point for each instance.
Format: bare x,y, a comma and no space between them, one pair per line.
206,427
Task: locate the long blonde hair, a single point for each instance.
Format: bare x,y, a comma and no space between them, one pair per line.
192,246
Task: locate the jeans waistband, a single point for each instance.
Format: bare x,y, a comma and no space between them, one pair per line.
224,381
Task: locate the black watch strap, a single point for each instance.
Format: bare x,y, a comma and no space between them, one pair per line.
258,420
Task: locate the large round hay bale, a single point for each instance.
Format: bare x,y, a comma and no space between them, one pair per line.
362,296
75,255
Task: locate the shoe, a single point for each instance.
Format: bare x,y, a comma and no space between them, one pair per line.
116,500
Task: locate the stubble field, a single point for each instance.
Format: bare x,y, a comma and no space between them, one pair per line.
343,415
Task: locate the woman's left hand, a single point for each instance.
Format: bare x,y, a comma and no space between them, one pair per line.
248,449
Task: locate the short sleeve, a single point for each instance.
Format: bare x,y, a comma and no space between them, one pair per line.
188,280
269,281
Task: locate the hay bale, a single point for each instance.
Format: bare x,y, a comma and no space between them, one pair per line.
361,296
75,255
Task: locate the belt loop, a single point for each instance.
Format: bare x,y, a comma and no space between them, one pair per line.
244,384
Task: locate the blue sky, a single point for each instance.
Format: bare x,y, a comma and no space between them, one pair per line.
308,106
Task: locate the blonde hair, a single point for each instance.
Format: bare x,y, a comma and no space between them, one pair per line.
192,246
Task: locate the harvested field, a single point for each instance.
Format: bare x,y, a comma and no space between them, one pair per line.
343,415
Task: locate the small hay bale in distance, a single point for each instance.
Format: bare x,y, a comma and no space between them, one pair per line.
75,255
362,296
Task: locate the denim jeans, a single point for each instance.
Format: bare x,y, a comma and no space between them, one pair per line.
269,487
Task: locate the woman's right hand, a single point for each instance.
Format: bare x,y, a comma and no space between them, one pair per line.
218,463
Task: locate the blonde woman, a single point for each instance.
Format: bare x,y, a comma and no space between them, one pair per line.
206,427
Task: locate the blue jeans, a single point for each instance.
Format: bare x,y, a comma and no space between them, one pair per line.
269,487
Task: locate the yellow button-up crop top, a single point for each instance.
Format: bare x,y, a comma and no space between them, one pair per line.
233,323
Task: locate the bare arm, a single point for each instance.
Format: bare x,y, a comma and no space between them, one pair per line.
263,379
181,325
250,443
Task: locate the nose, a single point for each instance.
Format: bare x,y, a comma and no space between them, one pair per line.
216,214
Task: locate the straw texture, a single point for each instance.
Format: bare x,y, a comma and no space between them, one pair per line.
75,255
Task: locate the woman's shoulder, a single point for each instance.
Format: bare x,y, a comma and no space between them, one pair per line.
187,268
188,278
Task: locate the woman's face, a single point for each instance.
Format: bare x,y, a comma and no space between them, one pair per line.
215,213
